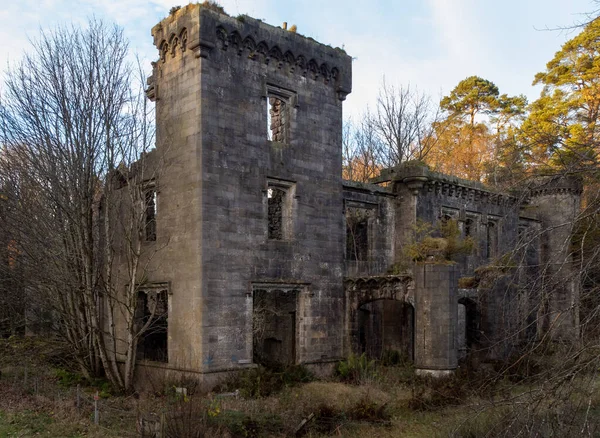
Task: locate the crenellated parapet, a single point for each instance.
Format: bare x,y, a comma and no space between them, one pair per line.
201,31
555,185
261,51
451,189
419,179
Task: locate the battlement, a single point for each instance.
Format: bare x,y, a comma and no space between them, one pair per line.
417,176
557,184
202,31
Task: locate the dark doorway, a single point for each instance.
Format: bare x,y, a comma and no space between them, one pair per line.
468,327
151,318
386,327
274,327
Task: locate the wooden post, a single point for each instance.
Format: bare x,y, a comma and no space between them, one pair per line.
162,425
96,416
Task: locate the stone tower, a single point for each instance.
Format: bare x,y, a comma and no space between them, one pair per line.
250,207
557,203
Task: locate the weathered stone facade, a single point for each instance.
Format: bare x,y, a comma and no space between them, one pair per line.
267,253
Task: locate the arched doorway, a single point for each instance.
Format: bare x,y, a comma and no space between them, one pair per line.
386,327
380,316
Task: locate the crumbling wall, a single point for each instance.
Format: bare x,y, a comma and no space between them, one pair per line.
257,111
369,216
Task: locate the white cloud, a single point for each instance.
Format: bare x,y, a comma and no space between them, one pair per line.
457,29
431,45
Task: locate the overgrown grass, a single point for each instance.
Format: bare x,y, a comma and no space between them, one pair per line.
385,399
262,382
356,369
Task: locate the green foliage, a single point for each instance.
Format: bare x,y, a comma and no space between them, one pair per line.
185,418
191,386
392,358
470,97
467,282
481,148
25,423
330,420
561,127
213,6
240,424
440,243
262,382
430,393
356,369
68,379
489,274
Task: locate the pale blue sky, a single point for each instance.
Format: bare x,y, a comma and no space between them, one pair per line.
430,44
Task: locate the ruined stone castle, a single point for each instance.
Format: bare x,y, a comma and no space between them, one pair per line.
265,254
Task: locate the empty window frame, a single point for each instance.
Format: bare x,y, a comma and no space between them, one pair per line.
279,111
280,196
448,221
448,213
357,233
492,238
470,227
150,211
151,322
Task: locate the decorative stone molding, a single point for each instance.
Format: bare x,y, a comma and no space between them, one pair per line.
415,183
363,290
274,55
177,43
200,30
454,190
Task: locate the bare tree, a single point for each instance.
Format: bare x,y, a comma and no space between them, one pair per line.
399,129
359,151
402,120
74,127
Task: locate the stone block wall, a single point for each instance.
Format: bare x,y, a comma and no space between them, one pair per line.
214,87
556,203
377,206
435,318
250,204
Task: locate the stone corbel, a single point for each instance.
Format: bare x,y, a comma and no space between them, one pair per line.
201,49
415,183
151,91
342,93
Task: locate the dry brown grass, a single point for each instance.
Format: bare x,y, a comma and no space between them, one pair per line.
37,405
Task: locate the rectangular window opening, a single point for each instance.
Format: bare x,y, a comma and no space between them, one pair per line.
357,234
277,119
469,227
279,210
150,215
492,239
151,320
279,104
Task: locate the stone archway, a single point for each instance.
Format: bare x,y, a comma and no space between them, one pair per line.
379,315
